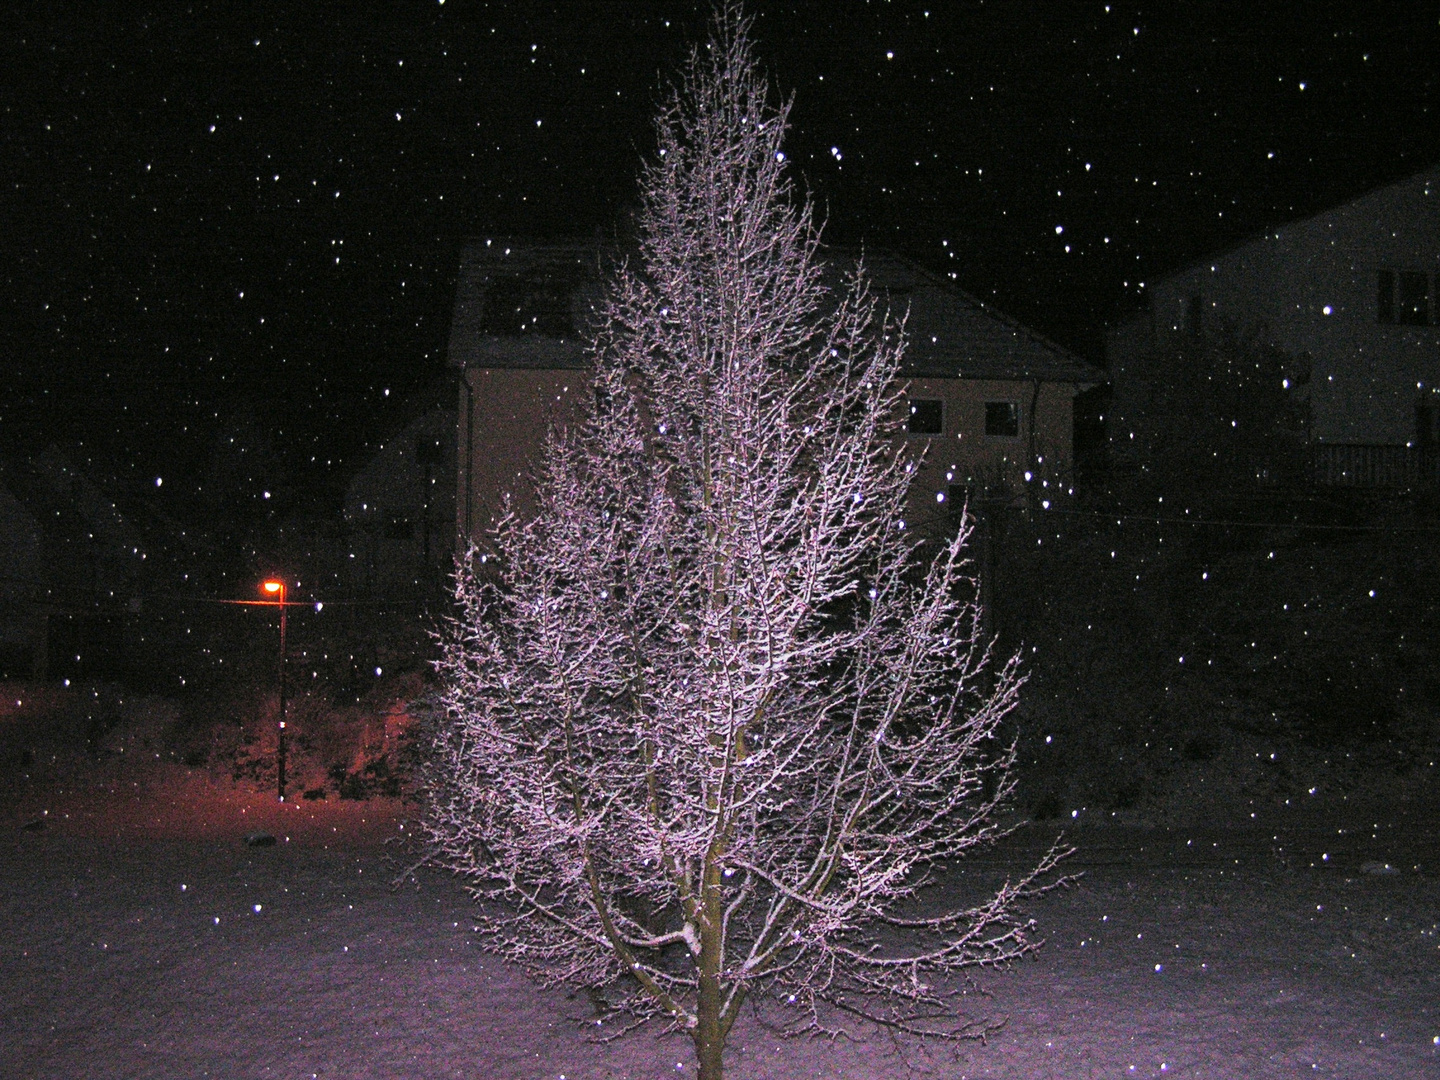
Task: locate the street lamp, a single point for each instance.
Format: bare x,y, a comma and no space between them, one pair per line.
276,588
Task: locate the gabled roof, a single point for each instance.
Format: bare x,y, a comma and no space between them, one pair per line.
953,335
523,305
1367,204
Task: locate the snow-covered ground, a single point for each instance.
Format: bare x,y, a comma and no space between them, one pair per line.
140,936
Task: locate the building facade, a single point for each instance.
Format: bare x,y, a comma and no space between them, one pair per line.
399,508
990,402
1352,290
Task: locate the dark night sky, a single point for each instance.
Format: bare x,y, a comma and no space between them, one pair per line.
241,220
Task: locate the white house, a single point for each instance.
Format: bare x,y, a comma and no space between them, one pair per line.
1355,290
991,403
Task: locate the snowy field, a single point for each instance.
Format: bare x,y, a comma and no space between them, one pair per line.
141,937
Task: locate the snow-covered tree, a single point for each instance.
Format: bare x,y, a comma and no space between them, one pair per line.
711,725
1216,411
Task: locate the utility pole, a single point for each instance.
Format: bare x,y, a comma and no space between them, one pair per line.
277,588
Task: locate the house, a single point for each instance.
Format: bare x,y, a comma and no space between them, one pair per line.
1354,291
72,563
399,508
22,621
990,402
517,344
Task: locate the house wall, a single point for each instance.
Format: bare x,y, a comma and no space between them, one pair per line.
509,411
995,465
400,506
1312,286
504,415
22,583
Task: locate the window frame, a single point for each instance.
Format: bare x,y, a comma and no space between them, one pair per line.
1412,309
1391,308
957,497
1015,412
910,414
1385,296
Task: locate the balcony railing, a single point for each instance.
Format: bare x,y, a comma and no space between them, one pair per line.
1354,465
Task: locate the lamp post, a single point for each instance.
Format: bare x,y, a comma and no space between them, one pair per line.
276,589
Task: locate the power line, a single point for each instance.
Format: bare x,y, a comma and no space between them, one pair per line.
1223,523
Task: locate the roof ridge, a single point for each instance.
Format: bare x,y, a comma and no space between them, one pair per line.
1261,233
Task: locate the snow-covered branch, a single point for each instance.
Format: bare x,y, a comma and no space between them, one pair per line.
710,721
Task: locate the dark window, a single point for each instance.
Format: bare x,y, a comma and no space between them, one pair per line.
1385,297
956,496
1414,298
927,416
1002,419
516,305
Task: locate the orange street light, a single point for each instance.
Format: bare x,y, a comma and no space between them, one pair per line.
276,588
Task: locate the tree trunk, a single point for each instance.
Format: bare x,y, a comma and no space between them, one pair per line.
709,1052
708,1035
709,1042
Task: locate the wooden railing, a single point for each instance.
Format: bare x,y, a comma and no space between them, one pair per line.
1354,465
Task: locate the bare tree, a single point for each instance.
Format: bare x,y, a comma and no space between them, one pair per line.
710,725
1216,411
